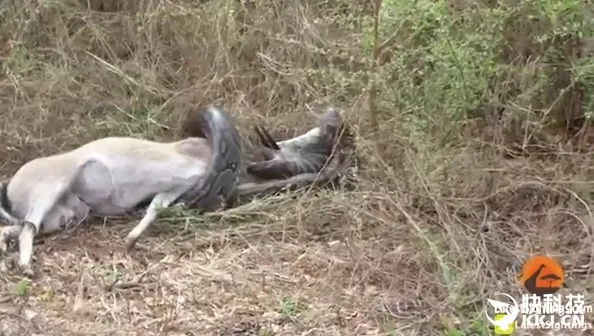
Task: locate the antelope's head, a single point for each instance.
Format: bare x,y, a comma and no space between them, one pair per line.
307,153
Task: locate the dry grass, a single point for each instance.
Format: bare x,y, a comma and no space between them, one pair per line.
429,232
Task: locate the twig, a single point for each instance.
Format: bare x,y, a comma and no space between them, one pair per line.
78,300
374,66
135,282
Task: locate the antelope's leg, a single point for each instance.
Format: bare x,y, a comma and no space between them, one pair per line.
162,200
78,212
336,166
272,169
51,194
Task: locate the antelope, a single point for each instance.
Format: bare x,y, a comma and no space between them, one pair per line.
203,170
113,176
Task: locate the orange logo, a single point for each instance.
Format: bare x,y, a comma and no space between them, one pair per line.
541,275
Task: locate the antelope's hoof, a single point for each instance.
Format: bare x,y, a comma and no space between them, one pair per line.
133,245
27,271
130,244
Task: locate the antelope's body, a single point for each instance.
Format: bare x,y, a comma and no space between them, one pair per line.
112,176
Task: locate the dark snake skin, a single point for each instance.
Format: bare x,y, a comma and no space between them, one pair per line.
220,183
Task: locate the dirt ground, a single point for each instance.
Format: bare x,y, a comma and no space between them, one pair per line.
425,237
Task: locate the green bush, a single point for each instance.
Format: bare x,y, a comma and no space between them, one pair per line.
445,61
